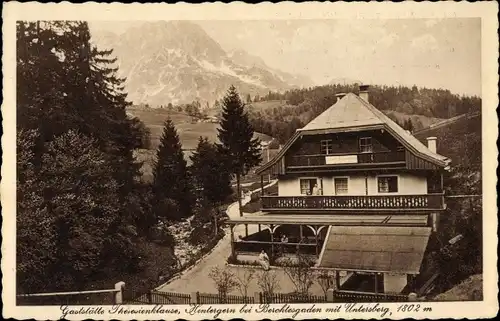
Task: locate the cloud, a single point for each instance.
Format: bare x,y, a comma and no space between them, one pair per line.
430,23
389,39
425,42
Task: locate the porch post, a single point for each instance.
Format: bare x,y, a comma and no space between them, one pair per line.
272,240
376,282
233,252
301,232
259,228
261,185
337,280
366,184
316,239
246,230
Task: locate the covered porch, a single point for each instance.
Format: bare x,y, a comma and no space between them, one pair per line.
379,259
286,234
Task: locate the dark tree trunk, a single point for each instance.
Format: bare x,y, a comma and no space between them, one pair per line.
238,190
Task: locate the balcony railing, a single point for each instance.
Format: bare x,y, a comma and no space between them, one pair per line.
383,202
346,159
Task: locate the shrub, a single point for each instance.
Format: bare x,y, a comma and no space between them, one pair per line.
162,236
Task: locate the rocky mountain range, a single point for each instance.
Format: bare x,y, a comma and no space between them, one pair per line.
178,62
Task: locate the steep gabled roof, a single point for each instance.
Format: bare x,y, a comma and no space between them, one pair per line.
354,112
347,112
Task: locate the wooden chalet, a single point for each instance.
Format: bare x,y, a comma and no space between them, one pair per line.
355,191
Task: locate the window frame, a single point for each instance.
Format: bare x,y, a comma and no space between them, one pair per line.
362,145
334,186
398,179
310,187
329,147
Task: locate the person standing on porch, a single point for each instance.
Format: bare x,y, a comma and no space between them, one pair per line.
316,190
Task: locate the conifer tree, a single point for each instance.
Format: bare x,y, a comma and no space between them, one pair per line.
241,151
171,184
79,167
210,176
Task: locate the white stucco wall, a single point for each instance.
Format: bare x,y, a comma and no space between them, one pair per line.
288,187
394,283
408,184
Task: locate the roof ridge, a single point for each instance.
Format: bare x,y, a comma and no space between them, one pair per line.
387,120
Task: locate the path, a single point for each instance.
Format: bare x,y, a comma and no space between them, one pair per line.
196,279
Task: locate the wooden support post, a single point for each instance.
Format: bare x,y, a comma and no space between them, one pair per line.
259,228
233,251
246,230
272,240
376,283
261,185
301,232
366,184
316,239
337,280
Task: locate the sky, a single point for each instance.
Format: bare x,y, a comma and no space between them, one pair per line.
443,53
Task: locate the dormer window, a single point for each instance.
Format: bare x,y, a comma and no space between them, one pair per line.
365,145
326,146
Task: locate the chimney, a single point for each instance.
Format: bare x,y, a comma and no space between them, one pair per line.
363,92
431,144
340,95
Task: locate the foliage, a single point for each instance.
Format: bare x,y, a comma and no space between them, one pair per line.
224,280
244,281
268,282
212,180
237,145
305,104
325,280
171,182
299,271
463,215
78,192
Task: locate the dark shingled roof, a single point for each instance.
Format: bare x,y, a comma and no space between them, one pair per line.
375,248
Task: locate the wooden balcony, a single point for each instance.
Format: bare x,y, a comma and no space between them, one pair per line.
358,203
347,159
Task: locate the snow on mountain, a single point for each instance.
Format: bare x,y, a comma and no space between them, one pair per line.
177,62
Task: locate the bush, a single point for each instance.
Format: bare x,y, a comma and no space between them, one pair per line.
201,233
162,236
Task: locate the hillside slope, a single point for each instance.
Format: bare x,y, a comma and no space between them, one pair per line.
470,289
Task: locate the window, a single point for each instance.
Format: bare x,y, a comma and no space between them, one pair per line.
365,145
388,184
307,186
326,146
340,185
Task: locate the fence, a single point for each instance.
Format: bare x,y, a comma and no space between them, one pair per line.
292,298
98,297
353,296
158,297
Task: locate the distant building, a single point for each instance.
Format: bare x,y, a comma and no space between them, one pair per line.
356,192
213,119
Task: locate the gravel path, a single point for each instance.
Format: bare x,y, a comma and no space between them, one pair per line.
196,278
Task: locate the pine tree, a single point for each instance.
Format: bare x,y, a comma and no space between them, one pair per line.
171,184
68,93
211,178
235,134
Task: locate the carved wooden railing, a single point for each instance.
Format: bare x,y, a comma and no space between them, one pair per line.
356,158
403,202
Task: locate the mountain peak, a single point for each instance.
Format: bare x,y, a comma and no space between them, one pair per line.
178,62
